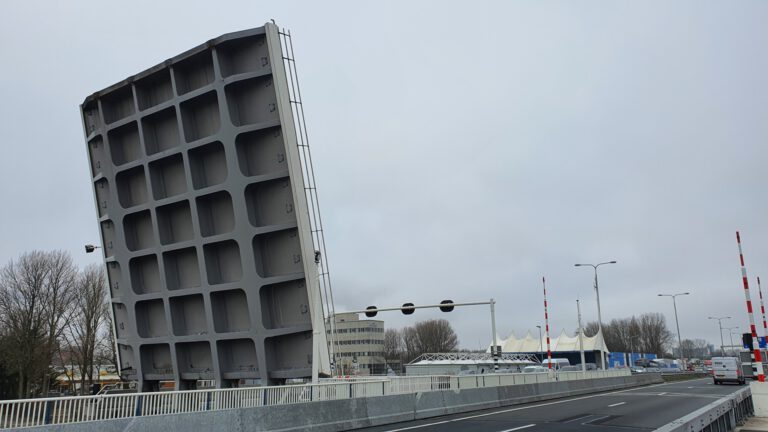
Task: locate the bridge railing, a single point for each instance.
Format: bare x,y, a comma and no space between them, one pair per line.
75,409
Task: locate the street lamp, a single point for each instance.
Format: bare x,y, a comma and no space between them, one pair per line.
720,324
677,323
730,334
90,248
597,292
540,344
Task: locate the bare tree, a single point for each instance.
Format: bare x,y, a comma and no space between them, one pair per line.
648,333
411,344
86,327
393,344
36,292
436,336
60,294
655,337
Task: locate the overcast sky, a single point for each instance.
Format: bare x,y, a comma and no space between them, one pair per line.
462,149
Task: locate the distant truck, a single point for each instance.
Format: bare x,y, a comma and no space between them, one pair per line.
727,369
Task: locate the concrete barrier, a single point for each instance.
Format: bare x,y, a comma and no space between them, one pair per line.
721,415
339,415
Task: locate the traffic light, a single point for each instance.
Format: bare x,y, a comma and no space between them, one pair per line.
407,308
448,305
371,314
746,338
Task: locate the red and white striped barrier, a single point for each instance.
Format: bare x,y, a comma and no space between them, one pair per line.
758,358
546,321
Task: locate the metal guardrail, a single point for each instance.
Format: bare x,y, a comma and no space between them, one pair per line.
723,415
49,411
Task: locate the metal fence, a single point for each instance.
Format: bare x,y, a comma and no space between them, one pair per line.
37,412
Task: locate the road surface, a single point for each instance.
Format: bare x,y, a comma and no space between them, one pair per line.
642,408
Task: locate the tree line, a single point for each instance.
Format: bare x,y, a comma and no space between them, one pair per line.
647,333
431,336
52,315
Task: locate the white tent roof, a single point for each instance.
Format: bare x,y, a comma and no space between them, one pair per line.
561,343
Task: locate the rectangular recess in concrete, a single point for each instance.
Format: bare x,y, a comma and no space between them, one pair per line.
167,177
154,89
215,214
108,236
115,277
121,320
222,262
188,315
150,318
161,131
195,360
283,351
118,104
182,269
98,155
156,362
249,54
138,230
200,117
101,187
252,101
194,72
131,187
270,202
230,311
124,144
128,362
290,298
237,358
261,152
145,274
208,164
174,221
277,253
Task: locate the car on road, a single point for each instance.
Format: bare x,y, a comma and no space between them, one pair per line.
571,368
535,369
727,369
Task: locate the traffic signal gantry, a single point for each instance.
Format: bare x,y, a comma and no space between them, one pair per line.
444,306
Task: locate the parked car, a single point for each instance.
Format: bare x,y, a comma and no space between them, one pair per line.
535,369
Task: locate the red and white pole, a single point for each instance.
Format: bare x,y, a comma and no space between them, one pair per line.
762,308
758,358
546,321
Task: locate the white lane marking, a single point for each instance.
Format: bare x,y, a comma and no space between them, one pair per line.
579,418
662,394
691,387
616,404
523,408
518,428
594,420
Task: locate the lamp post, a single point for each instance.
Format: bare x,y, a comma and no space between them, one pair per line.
720,324
677,323
730,334
599,315
540,347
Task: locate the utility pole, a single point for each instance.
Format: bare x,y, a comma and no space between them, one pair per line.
581,340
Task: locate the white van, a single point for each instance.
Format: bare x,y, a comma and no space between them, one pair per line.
557,363
727,369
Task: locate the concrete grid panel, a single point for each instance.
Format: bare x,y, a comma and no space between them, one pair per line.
203,217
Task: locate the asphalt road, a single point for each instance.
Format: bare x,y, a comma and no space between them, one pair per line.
642,408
